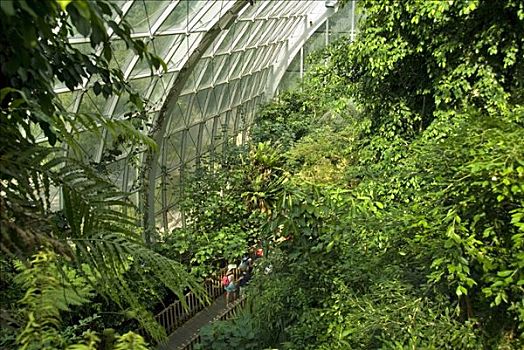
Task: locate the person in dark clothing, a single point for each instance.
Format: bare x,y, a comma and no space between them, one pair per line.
246,275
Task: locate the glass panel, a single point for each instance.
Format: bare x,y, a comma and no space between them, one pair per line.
207,77
247,61
183,12
267,10
199,103
283,8
247,30
173,150
191,143
225,101
235,30
154,9
123,105
179,55
159,90
197,73
221,131
141,85
121,55
222,69
162,44
87,145
280,31
237,93
91,103
180,112
246,86
218,91
211,14
68,100
194,112
136,17
235,65
143,14
286,29
175,119
211,108
206,135
250,83
189,86
265,26
259,58
115,172
234,121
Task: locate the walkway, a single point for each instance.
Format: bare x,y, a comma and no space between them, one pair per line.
184,335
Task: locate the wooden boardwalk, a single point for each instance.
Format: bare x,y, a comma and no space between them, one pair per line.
185,335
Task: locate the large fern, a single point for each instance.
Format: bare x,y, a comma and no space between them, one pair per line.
95,228
40,152
46,295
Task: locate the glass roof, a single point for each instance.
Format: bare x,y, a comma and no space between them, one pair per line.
230,53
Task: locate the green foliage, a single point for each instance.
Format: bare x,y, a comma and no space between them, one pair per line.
371,321
45,297
36,54
238,333
91,342
218,222
41,153
285,121
417,240
130,341
326,161
415,58
263,177
225,203
51,290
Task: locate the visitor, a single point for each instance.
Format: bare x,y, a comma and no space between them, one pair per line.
231,286
244,279
244,264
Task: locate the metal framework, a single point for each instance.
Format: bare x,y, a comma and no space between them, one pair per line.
224,58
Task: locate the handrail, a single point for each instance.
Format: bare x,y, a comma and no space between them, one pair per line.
175,314
229,312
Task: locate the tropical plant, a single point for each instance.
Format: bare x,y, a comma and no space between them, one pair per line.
225,202
51,289
421,245
40,149
238,333
283,122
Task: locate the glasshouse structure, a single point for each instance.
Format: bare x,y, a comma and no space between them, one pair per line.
262,174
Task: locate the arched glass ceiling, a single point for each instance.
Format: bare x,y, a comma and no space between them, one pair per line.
224,57
342,23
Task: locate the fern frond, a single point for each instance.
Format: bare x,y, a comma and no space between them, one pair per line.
46,294
111,255
92,341
130,341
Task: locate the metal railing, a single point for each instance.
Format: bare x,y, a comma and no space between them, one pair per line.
176,314
230,312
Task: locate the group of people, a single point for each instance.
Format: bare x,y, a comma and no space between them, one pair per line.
236,279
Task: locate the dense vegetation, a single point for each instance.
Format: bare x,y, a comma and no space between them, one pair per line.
81,277
398,221
387,192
